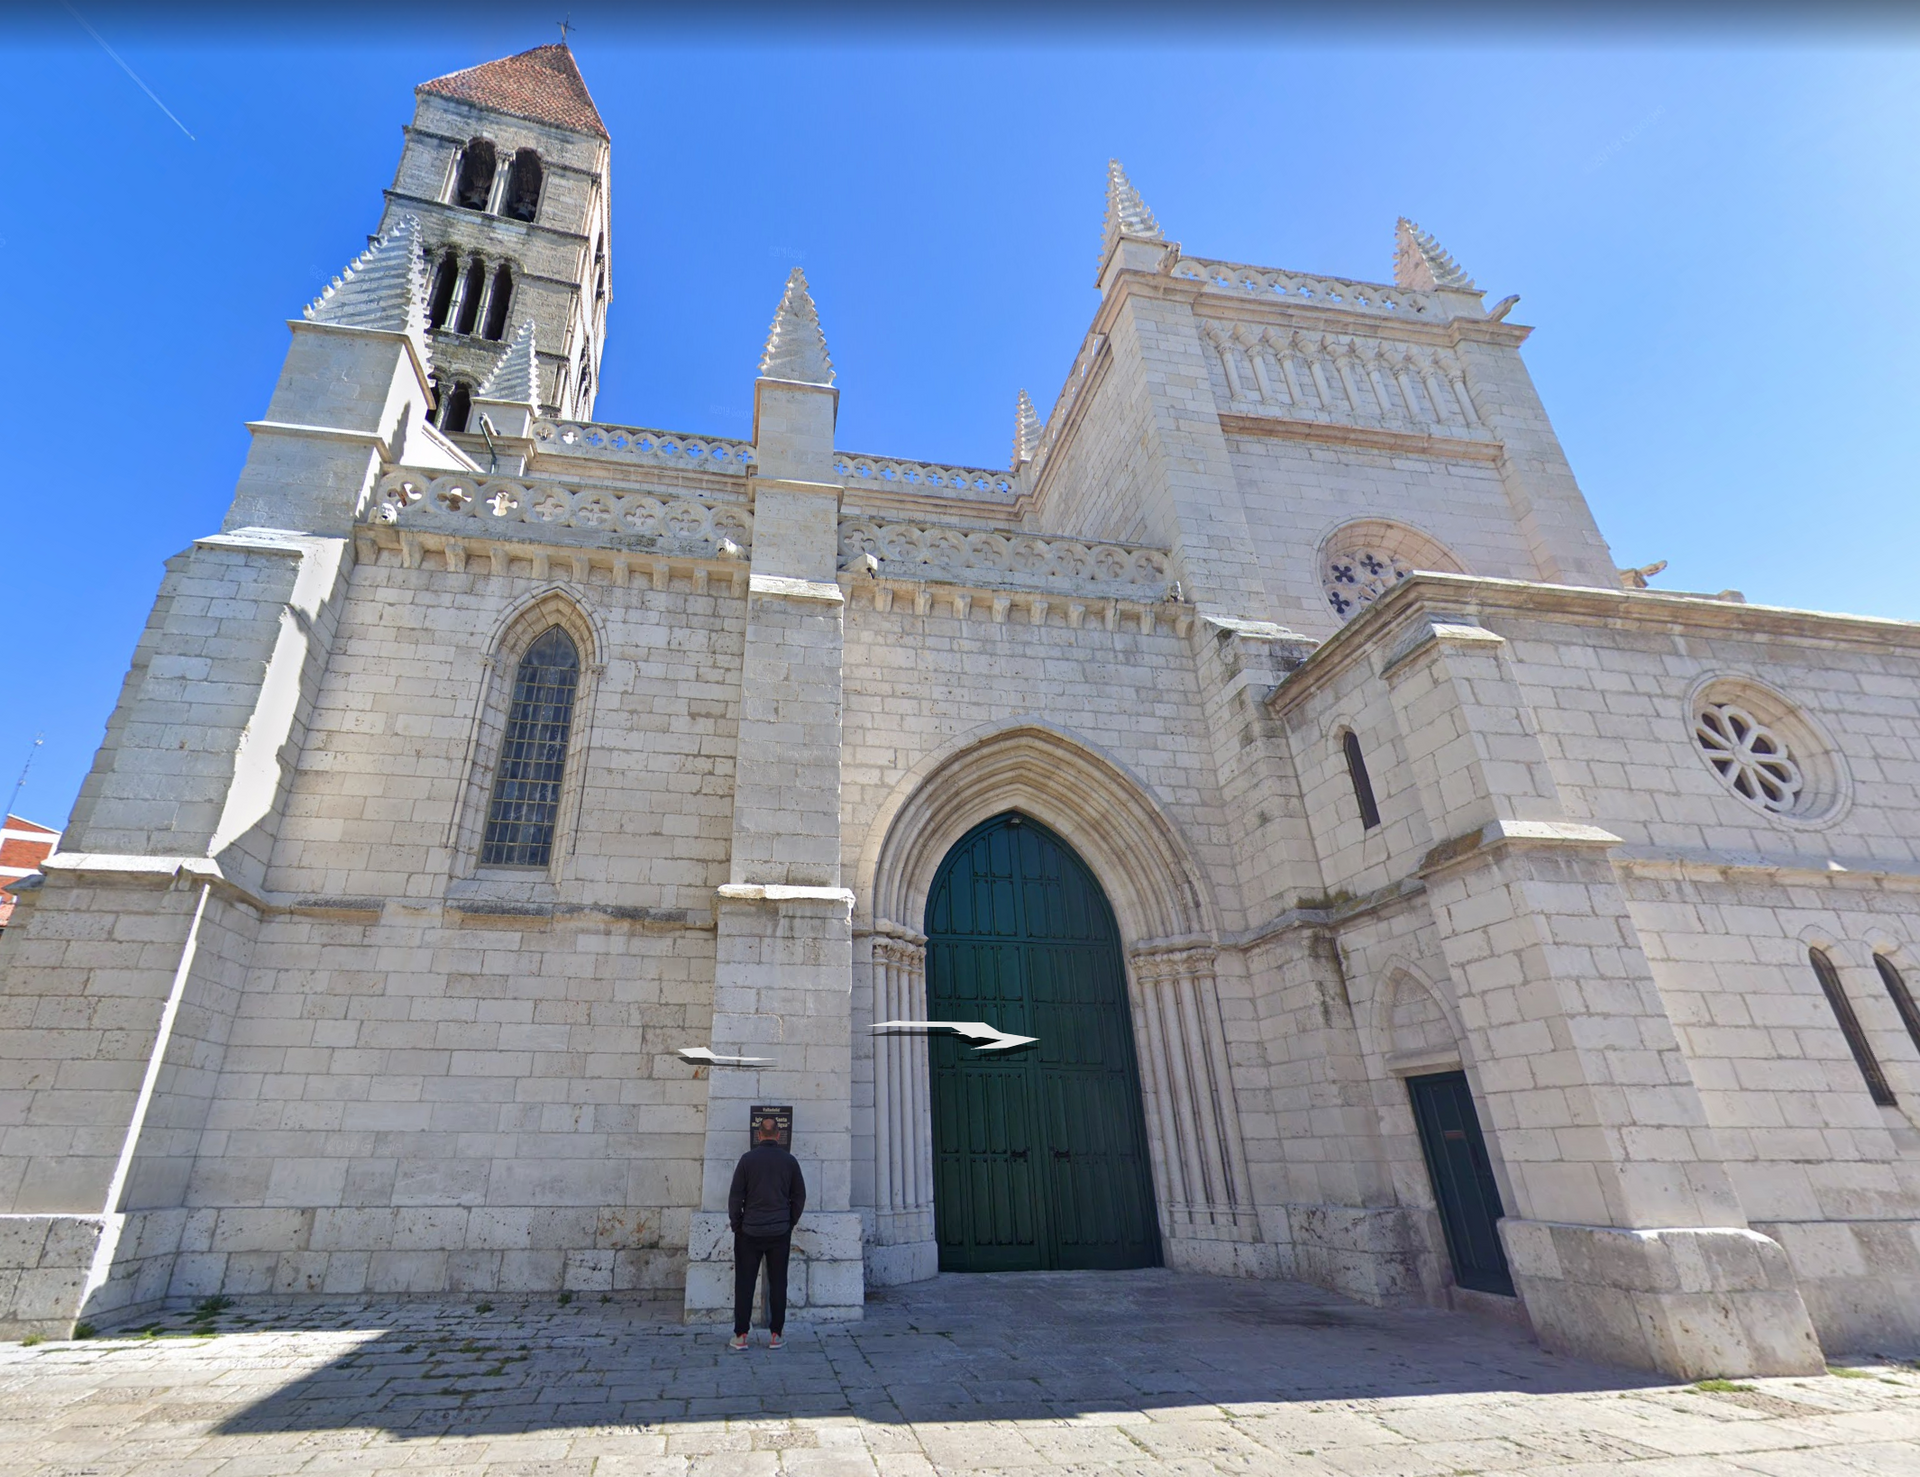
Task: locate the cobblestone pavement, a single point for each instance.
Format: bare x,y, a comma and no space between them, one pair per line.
1045,1373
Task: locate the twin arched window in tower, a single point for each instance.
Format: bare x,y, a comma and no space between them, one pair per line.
468,297
480,184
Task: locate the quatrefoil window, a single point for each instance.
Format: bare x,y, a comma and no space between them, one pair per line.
1750,758
1357,577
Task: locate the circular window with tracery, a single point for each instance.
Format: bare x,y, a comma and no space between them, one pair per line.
1751,759
1767,752
1362,561
1361,577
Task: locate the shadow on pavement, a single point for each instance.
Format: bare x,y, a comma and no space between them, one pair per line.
1018,1346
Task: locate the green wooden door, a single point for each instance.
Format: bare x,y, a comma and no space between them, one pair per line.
1463,1182
1040,1154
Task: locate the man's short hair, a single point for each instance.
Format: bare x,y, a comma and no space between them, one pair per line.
768,1128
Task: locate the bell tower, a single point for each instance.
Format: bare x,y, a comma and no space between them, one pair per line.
506,168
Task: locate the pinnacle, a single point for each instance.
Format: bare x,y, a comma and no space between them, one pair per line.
1421,264
796,348
385,287
1127,213
516,377
1026,430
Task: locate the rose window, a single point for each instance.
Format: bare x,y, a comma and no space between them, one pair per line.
1751,760
1358,577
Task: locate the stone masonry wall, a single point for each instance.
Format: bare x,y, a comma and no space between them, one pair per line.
440,1077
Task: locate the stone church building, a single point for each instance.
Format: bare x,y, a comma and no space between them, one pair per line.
1402,898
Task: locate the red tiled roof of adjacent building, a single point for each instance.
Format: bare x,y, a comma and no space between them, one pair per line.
24,844
543,84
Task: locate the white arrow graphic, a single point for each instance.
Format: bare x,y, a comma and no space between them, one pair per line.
703,1056
973,1030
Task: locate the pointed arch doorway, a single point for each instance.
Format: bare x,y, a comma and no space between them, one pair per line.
1040,1154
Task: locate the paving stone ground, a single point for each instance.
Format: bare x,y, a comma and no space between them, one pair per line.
1131,1373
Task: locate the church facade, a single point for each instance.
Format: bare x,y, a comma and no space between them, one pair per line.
1398,896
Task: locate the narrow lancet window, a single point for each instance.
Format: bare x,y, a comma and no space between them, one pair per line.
1901,996
499,304
446,277
523,186
458,407
1857,1042
1362,784
473,181
476,289
525,809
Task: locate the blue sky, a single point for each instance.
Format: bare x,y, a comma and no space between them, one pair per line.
1716,240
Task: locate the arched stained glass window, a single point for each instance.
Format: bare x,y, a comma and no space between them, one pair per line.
525,809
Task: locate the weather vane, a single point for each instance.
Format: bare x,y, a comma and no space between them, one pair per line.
565,26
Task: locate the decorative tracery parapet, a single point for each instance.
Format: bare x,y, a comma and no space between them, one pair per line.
1271,284
635,444
548,511
929,477
927,551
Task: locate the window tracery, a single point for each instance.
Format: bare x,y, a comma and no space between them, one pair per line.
1362,561
1749,757
1359,577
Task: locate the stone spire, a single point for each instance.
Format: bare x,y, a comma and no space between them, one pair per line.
385,287
1420,264
796,348
516,377
1026,431
1127,213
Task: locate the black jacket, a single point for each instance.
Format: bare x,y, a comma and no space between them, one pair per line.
768,1192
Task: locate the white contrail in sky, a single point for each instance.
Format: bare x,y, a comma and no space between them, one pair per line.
129,71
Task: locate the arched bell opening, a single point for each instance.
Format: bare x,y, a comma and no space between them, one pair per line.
1040,1153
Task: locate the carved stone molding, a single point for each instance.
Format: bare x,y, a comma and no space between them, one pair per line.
1188,1086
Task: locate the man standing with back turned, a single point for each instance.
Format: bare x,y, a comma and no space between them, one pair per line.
764,1205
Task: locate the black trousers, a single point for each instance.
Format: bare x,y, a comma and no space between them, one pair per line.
747,1252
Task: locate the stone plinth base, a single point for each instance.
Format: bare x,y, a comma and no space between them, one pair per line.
44,1261
891,1265
1370,1253
1222,1258
826,1279
1860,1279
1691,1302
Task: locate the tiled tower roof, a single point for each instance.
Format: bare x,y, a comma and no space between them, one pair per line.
543,84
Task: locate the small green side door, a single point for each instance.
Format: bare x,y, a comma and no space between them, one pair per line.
1040,1157
1463,1183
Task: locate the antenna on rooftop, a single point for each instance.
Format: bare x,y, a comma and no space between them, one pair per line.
20,784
